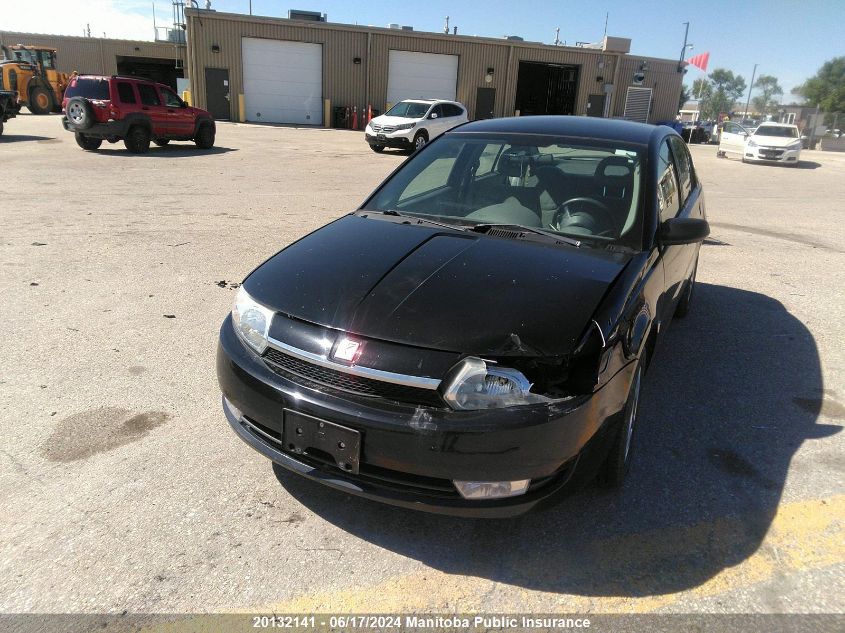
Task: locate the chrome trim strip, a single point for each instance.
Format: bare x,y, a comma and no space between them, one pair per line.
420,382
601,334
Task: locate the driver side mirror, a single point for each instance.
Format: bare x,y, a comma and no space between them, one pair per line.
676,231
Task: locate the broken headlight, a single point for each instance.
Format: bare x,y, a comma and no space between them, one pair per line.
476,385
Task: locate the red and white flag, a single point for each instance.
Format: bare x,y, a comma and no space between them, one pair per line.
700,61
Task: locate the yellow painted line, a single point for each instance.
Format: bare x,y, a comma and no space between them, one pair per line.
803,535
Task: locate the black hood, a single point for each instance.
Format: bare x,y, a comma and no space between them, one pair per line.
423,286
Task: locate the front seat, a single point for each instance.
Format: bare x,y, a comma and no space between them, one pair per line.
614,186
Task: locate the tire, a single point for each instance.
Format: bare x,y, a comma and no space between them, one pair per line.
720,153
205,136
137,140
1,127
87,142
79,113
378,149
40,101
420,140
615,467
682,309
161,142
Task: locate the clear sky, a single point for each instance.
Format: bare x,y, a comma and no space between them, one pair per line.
788,39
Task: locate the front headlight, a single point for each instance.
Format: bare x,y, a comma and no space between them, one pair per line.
475,385
406,126
251,320
751,143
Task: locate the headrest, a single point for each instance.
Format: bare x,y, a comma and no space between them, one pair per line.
615,167
512,165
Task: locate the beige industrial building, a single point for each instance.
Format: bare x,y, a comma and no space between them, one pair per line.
300,71
162,61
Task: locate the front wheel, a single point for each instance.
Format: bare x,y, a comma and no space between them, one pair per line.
686,299
378,149
137,140
614,469
87,142
205,137
40,101
420,140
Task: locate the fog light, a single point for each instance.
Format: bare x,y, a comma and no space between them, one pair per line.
491,489
236,413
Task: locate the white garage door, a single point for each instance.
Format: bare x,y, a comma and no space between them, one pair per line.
283,81
421,76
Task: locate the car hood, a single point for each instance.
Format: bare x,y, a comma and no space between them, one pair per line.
772,141
393,120
444,290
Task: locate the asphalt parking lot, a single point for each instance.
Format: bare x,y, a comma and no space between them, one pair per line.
123,488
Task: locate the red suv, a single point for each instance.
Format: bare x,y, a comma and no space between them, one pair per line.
136,110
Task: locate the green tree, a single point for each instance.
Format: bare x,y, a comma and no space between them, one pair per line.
724,89
827,87
766,102
701,88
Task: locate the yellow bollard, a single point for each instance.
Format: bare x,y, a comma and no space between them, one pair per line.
327,113
241,109
186,96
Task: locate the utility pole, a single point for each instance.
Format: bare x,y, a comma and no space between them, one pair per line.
557,36
753,74
250,7
684,49
446,27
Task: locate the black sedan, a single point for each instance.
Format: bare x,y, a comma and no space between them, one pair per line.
473,338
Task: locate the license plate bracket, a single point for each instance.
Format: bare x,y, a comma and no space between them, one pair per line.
303,432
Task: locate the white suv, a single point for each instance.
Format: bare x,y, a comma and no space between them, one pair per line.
412,123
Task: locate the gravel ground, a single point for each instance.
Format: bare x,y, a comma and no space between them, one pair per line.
124,488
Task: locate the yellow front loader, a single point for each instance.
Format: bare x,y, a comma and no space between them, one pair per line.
31,71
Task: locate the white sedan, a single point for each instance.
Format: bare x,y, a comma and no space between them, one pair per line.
769,143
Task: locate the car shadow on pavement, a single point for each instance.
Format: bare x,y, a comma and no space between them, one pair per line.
733,392
17,138
170,151
808,164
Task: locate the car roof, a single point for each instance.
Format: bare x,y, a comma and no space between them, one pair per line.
123,78
579,126
429,101
773,124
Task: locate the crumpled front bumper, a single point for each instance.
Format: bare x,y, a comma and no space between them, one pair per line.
411,454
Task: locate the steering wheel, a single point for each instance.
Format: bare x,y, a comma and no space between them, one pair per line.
600,223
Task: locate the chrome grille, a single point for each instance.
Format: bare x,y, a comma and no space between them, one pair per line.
316,377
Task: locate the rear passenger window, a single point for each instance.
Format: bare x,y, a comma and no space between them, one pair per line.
148,94
667,184
450,109
125,92
684,167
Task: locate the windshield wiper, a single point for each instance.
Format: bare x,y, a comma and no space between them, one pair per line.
485,228
418,219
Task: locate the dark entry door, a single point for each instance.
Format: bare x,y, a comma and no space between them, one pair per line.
217,93
546,88
485,102
595,105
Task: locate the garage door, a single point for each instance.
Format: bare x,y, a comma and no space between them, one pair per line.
283,81
421,76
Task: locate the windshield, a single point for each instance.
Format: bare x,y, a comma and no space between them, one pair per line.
576,188
776,130
409,110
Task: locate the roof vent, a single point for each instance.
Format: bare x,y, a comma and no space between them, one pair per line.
309,16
